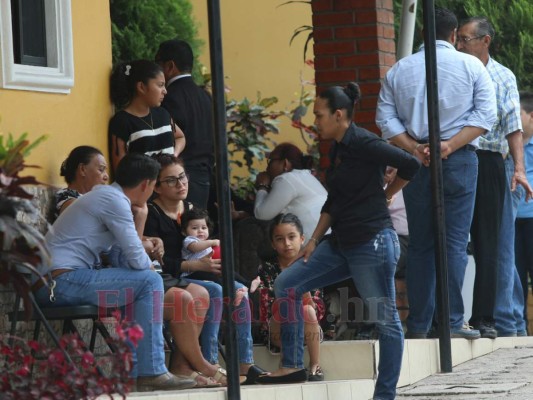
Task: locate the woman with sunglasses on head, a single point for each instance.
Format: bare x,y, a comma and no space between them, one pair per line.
288,186
363,244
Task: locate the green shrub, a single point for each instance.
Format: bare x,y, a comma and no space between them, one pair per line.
139,26
512,20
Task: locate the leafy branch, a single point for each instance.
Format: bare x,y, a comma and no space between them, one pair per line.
21,243
301,29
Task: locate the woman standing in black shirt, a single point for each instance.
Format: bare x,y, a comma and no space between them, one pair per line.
363,244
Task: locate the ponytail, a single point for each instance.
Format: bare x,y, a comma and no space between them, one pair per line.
124,79
342,98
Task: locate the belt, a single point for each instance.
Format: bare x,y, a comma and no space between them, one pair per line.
53,274
493,153
469,147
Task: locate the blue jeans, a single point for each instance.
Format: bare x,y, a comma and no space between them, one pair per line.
241,316
139,292
524,257
371,265
459,173
509,302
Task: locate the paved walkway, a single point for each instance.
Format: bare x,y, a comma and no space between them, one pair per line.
504,374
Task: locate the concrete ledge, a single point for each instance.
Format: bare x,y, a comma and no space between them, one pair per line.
361,389
334,357
350,368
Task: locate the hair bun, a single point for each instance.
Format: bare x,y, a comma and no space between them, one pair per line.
353,91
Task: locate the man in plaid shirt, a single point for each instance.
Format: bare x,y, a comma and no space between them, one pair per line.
501,173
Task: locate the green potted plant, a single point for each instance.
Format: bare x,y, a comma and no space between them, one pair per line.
21,243
248,126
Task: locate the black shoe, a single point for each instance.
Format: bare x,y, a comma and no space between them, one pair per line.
433,333
294,377
486,329
506,334
317,375
253,374
415,335
274,350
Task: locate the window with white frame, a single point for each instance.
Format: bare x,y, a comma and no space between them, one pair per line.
36,45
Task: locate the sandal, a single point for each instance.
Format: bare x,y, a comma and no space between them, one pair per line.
317,375
203,381
166,381
221,376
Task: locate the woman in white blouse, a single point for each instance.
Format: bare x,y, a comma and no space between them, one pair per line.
288,186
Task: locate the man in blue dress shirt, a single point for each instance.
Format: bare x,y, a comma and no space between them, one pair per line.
467,109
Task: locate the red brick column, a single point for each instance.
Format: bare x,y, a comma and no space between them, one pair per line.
354,41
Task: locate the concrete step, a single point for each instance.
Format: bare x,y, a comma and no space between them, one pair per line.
361,389
350,368
334,358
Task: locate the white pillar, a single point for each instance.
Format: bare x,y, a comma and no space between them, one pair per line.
407,29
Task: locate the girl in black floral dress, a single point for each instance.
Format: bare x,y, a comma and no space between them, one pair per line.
286,234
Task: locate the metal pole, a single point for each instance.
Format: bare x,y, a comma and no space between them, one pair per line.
223,195
407,28
437,193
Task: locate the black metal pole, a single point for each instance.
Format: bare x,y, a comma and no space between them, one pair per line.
437,192
223,195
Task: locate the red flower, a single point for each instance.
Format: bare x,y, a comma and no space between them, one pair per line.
135,334
87,359
24,371
32,344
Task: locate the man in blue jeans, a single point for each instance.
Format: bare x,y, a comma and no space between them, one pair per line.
93,224
501,175
467,108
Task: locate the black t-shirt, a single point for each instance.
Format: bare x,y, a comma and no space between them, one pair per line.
158,224
191,108
356,199
138,134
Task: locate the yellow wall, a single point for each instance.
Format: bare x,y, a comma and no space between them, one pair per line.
257,56
71,120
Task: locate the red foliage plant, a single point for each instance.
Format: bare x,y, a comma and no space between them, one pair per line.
54,378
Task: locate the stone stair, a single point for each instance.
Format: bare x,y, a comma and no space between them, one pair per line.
350,368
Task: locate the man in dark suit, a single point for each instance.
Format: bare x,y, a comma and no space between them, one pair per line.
191,109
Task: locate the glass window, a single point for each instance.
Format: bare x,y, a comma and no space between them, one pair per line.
29,32
36,47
